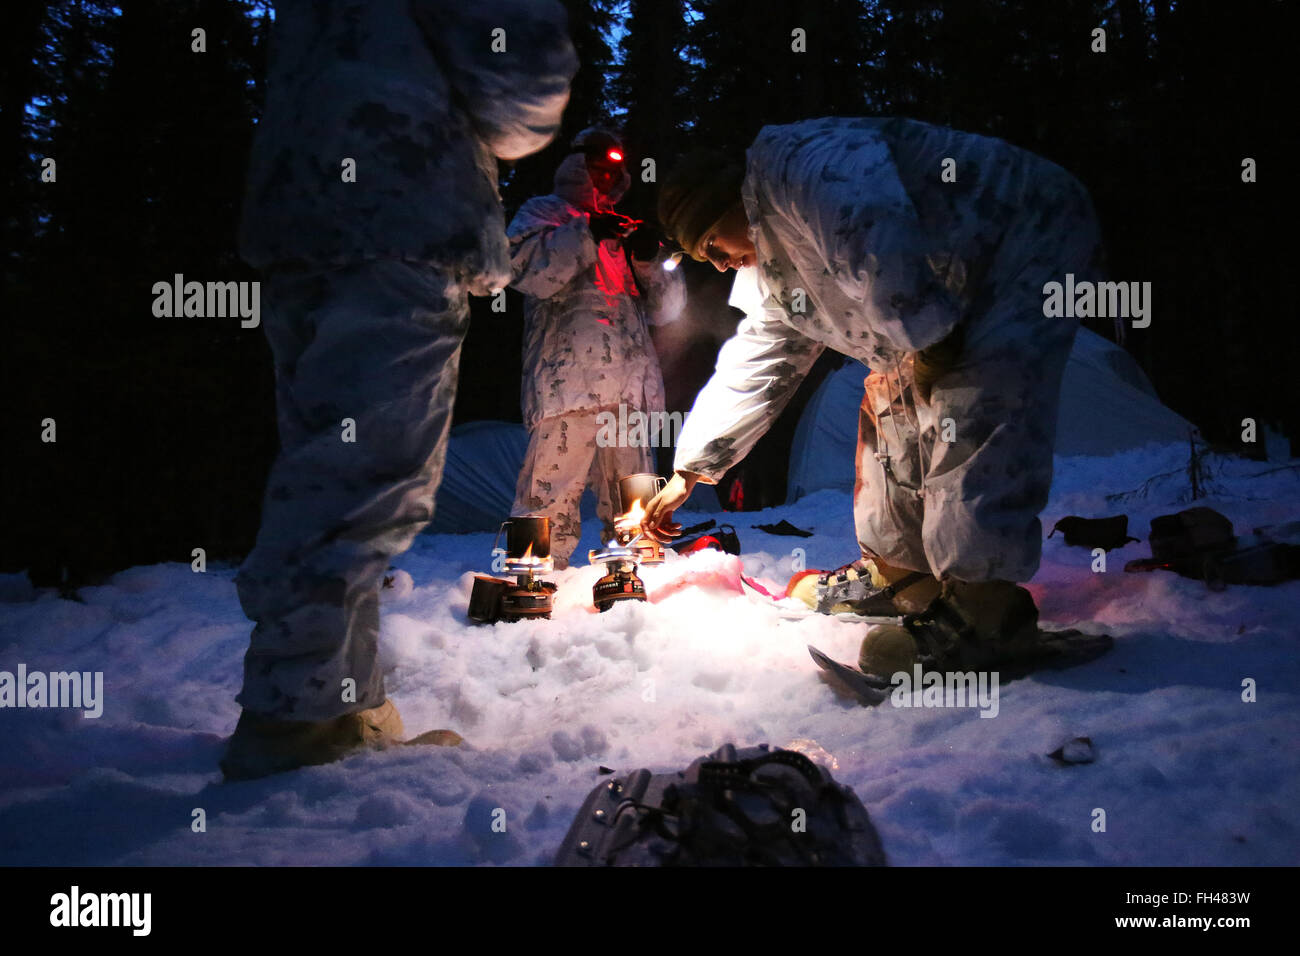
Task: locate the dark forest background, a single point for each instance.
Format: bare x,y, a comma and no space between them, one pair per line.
166,428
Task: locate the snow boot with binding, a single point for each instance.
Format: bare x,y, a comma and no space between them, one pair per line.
968,626
868,587
983,626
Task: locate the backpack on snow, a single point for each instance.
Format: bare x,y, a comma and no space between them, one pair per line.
752,807
1104,533
1184,540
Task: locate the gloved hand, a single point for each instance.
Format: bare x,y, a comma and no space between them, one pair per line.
609,225
643,243
935,361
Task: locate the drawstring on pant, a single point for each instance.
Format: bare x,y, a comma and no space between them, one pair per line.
910,413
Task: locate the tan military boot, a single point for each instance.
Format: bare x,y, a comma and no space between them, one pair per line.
262,745
969,626
868,587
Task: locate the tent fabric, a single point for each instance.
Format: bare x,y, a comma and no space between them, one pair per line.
1107,405
478,480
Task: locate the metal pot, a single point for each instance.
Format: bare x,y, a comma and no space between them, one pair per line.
523,530
640,487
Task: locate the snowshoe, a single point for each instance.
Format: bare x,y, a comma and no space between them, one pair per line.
793,609
1058,650
731,808
1055,650
859,588
986,626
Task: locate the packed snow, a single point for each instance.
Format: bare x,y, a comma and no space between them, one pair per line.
1185,770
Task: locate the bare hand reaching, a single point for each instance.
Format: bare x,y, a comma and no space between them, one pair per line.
658,522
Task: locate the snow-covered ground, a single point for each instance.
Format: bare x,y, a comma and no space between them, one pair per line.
1186,771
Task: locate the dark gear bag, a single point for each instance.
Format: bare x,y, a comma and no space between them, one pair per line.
1268,563
1184,540
1268,556
724,539
1104,533
751,807
783,527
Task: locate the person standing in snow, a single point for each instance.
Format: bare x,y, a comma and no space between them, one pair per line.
922,252
372,210
592,285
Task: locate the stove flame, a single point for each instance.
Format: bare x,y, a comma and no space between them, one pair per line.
527,559
630,524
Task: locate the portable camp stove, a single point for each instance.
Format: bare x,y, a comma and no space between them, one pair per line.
529,596
620,582
527,556
630,546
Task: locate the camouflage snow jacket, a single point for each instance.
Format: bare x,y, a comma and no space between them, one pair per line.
863,247
414,93
587,312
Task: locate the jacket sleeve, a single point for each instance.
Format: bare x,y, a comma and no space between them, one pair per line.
840,210
758,370
548,251
513,96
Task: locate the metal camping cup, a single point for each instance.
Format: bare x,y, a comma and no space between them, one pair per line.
641,488
522,531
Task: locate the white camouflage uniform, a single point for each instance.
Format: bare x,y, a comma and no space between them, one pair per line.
587,350
366,307
863,248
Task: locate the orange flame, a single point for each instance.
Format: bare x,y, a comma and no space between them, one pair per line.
628,526
632,520
528,553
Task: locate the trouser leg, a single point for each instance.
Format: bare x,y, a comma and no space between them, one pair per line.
985,438
990,424
556,467
366,365
887,512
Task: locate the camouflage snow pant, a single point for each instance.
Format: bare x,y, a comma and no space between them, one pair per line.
955,485
563,459
366,365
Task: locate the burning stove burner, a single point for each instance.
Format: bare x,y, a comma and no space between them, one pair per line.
630,546
527,596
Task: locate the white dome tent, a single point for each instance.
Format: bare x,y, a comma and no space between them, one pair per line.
1107,406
